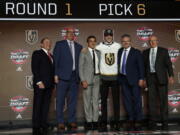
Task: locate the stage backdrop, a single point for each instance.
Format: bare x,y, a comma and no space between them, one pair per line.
18,40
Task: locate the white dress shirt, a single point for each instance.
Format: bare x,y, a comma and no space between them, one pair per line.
73,52
127,53
96,59
152,67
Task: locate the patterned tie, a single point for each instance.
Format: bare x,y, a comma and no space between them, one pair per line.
152,60
124,63
72,53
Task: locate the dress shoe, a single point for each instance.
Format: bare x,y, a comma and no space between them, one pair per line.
165,126
138,126
61,127
72,126
130,125
94,125
152,126
88,126
103,127
36,131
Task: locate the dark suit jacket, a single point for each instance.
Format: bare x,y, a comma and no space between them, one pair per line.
42,69
63,59
134,66
163,65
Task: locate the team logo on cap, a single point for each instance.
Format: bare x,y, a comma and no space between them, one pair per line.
31,36
177,35
109,58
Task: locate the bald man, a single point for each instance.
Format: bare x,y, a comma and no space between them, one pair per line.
158,72
66,58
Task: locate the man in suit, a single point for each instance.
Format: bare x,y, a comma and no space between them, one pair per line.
89,75
131,76
43,83
66,58
158,67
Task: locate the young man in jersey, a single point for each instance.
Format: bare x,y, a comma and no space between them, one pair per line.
108,74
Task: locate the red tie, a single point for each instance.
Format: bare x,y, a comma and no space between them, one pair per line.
49,55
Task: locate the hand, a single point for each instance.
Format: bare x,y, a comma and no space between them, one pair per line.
56,79
145,84
171,80
41,85
141,83
84,84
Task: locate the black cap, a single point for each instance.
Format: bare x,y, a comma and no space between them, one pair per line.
108,32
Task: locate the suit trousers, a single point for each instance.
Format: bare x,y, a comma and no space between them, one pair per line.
104,91
91,100
132,99
41,104
67,90
157,91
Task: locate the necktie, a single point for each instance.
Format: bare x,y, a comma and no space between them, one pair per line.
153,61
71,48
72,53
49,55
94,62
124,63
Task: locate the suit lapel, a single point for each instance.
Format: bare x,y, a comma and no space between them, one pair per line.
75,50
157,55
47,57
120,55
129,55
89,55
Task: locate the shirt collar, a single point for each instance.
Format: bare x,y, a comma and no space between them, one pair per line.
106,43
70,41
90,49
155,48
45,50
127,49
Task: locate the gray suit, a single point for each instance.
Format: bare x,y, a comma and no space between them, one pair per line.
91,94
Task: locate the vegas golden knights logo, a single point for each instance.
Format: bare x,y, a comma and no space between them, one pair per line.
109,58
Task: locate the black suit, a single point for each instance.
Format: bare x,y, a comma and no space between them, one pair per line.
157,82
43,70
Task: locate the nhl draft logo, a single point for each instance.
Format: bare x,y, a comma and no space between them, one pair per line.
19,57
177,35
31,36
174,54
19,104
29,82
144,33
174,98
109,58
65,30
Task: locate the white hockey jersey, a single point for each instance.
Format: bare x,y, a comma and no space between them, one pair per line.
108,63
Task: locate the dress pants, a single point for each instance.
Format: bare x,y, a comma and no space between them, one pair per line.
132,100
41,104
91,100
67,89
157,91
104,91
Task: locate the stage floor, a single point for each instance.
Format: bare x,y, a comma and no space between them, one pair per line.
174,129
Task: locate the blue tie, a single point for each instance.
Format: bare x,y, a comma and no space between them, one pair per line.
124,63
